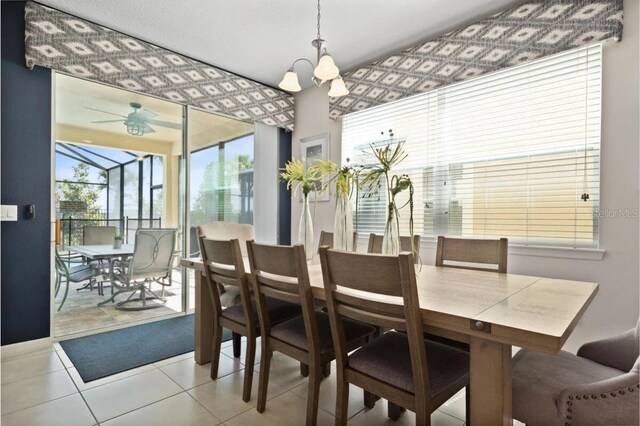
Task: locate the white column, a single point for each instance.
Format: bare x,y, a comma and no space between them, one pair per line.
265,183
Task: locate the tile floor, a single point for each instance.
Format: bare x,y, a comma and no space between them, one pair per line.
44,388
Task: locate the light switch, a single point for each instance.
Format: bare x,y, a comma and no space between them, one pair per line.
9,213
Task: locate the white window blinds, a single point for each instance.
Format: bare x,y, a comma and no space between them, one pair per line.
511,154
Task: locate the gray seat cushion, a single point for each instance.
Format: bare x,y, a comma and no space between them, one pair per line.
279,311
293,332
387,359
538,380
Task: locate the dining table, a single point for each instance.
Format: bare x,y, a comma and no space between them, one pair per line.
492,312
103,252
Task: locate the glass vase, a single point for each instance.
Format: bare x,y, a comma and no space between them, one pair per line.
391,239
305,230
343,224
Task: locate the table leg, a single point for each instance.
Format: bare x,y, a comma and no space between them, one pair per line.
490,383
204,321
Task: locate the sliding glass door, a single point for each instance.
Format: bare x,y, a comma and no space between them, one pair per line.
221,173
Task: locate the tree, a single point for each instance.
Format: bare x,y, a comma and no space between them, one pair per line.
78,189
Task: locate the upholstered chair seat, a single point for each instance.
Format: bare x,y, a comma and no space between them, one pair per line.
293,332
387,359
598,386
278,311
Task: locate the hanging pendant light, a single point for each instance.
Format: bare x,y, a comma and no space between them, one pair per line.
338,88
290,81
324,70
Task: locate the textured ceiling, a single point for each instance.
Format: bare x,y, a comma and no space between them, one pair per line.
259,39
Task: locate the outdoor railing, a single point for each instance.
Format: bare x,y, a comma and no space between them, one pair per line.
70,233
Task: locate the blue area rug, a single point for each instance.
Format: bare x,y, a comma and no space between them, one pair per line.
112,352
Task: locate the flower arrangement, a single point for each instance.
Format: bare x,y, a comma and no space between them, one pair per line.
387,158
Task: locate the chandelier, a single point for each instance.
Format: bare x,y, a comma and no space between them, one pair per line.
324,70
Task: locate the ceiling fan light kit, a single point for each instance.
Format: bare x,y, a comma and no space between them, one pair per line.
138,122
324,70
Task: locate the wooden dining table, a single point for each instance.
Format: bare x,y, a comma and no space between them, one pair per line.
491,312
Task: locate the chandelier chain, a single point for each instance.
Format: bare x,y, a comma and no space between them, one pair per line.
319,19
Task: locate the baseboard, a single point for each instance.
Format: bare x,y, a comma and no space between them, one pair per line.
26,347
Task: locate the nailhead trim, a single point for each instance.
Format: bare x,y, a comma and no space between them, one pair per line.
586,397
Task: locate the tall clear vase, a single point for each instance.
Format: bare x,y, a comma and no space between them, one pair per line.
305,230
391,239
343,224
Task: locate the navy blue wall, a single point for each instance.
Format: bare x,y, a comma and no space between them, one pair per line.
284,195
26,179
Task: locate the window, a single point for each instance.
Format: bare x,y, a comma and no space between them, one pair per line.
509,154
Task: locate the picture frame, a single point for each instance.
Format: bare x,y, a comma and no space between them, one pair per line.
314,148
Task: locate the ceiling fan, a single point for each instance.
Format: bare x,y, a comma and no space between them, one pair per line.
139,121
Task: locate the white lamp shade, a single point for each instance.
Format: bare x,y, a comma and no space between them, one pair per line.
338,88
290,82
326,69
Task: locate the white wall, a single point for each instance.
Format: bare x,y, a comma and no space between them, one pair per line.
615,308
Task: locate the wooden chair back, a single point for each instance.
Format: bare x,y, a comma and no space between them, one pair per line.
375,244
472,251
326,239
281,272
223,264
345,274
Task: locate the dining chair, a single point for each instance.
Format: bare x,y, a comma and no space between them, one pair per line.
224,265
71,274
598,386
97,235
326,239
403,368
151,262
281,272
375,244
473,253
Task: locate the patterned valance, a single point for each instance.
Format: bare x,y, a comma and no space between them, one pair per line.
521,34
74,46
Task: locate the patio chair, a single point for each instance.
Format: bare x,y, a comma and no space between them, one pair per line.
97,235
152,262
72,274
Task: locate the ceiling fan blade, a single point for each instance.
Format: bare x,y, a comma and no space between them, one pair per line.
148,129
147,114
168,124
106,112
108,121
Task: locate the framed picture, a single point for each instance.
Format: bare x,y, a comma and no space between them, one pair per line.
312,149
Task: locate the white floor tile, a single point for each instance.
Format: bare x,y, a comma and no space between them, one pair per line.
68,411
378,416
36,390
65,359
188,374
228,350
30,366
456,406
180,409
23,354
82,386
223,397
188,355
117,398
328,391
287,409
